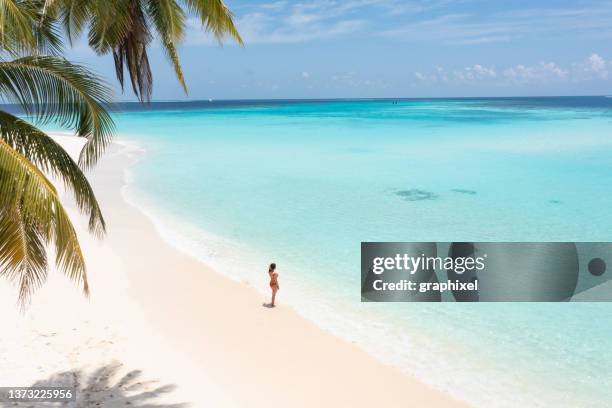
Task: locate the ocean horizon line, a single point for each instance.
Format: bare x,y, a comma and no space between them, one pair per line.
332,99
387,98
527,102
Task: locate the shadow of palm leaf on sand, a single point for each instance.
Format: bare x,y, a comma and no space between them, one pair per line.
105,387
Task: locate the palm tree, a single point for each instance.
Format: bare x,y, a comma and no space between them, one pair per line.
126,28
48,89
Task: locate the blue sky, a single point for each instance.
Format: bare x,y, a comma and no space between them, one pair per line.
392,48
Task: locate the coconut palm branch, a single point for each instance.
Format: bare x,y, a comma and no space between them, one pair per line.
23,28
47,155
126,28
52,89
31,217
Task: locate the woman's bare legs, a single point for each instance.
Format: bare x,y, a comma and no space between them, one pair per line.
274,290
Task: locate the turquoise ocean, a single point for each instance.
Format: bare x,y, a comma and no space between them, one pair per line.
240,184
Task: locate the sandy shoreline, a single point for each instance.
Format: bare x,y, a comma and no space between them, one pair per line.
160,312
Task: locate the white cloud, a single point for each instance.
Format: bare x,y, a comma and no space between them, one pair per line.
458,28
276,5
483,71
442,21
482,40
474,72
302,18
353,80
592,68
420,76
597,65
544,71
264,30
283,22
305,75
430,78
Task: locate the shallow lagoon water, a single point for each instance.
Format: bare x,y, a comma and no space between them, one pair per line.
302,183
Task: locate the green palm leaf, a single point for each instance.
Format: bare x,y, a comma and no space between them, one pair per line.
50,157
49,89
24,30
54,90
126,29
31,216
169,22
22,249
216,17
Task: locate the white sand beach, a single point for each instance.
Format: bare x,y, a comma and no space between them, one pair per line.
162,329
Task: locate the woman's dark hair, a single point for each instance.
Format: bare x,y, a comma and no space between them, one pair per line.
272,266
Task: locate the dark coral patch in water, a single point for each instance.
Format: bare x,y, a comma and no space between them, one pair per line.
463,191
416,195
554,201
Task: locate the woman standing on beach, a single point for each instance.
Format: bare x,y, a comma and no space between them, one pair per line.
273,282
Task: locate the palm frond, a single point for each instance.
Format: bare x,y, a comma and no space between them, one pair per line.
215,17
73,19
22,252
31,215
109,21
15,27
50,157
126,29
131,52
53,89
24,30
169,22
